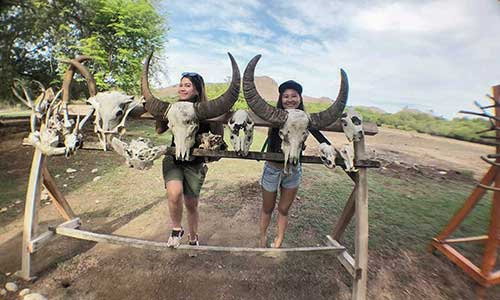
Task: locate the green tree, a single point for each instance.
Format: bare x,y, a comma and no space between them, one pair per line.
37,34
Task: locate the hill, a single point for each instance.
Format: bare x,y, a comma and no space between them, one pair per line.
267,87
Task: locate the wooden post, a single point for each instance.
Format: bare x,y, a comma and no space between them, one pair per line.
58,198
361,213
490,252
31,212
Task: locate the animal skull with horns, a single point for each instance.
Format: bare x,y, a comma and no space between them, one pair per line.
241,121
293,123
183,117
111,108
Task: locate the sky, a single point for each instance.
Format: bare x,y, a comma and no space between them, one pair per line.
435,56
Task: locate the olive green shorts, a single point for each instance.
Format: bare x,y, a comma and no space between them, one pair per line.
191,175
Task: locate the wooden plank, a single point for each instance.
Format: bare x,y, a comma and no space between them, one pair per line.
254,155
345,218
361,235
37,243
162,246
461,261
469,204
139,112
480,238
494,278
344,258
491,246
31,213
58,198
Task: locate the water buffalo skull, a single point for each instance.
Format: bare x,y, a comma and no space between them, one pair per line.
241,141
183,117
293,123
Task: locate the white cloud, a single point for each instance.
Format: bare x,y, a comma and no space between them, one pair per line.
438,55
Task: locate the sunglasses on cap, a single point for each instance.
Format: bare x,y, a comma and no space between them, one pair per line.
190,74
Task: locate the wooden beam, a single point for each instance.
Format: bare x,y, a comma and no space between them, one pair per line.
344,258
469,204
345,218
58,198
139,112
253,155
480,238
31,209
461,261
361,213
162,246
37,243
491,246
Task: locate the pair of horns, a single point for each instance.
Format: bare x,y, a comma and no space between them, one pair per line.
277,116
204,110
68,76
214,108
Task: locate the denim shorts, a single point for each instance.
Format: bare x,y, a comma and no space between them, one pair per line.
274,177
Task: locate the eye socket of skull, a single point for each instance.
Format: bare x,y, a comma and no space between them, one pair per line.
231,121
356,121
119,113
344,122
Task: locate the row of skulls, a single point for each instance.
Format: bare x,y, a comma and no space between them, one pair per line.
52,130
112,108
183,117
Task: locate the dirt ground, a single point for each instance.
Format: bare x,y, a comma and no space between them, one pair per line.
72,269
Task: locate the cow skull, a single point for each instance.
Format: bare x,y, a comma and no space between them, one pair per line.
139,154
327,155
352,124
347,155
183,117
111,111
184,124
293,134
293,123
241,121
110,108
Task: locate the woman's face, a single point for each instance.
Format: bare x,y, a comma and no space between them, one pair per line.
186,89
290,99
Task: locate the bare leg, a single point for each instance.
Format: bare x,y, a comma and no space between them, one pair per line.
193,215
268,203
174,197
286,198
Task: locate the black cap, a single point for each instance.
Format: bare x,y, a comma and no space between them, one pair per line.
290,84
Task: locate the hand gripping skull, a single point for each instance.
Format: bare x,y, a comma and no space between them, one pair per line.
240,121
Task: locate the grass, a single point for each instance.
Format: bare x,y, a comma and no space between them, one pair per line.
404,213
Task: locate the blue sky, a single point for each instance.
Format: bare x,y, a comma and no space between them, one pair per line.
430,55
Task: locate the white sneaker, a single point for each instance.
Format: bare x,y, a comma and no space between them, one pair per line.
174,240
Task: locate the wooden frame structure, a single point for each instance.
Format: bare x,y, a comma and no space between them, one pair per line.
357,206
484,275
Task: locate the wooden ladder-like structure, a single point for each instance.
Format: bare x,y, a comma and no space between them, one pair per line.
485,275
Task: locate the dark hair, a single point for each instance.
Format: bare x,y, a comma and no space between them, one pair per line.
274,141
199,85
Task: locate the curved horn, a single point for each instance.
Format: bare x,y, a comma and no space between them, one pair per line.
259,106
153,105
322,119
68,77
222,104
